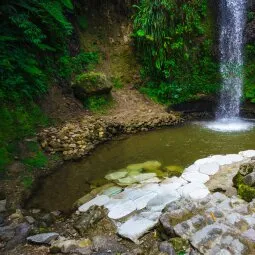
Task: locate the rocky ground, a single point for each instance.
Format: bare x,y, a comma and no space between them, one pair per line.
146,214
132,112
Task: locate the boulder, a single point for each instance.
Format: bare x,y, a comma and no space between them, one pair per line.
92,83
44,238
167,248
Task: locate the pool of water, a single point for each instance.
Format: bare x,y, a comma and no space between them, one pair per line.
171,146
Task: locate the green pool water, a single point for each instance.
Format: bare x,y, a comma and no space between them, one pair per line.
171,146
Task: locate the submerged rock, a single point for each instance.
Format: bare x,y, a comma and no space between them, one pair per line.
99,201
116,175
148,165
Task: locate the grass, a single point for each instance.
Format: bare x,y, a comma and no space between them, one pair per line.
99,104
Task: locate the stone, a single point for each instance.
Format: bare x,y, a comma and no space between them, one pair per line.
136,227
174,170
92,83
88,219
195,177
142,201
122,209
250,179
2,205
144,177
194,191
21,232
107,244
30,219
68,245
165,221
44,238
247,154
112,191
148,165
116,175
99,201
209,168
167,248
126,181
249,234
7,233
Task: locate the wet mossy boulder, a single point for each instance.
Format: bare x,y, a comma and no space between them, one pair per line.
244,181
89,84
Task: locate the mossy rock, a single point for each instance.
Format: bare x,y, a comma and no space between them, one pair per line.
246,192
148,166
237,180
179,244
247,168
89,84
174,170
158,172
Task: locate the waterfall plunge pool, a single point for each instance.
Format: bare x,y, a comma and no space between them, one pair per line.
171,146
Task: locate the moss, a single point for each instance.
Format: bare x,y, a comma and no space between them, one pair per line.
158,172
179,244
174,171
237,180
246,192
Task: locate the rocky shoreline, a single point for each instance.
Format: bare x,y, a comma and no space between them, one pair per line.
78,138
176,215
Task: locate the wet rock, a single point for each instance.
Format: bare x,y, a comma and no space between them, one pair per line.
122,209
249,234
148,165
7,232
2,205
30,219
250,179
99,201
88,219
165,221
107,244
167,248
116,175
44,238
21,232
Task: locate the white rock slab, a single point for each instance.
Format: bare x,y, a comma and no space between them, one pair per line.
174,181
186,190
191,169
142,202
122,209
195,177
221,159
158,203
126,181
112,191
136,227
199,193
247,154
99,201
203,161
209,168
235,158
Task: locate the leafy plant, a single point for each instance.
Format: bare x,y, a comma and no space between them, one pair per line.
174,42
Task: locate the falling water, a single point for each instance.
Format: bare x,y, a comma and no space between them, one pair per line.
232,22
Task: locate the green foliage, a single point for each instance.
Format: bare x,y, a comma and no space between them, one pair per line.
174,42
82,22
249,76
117,83
27,182
98,104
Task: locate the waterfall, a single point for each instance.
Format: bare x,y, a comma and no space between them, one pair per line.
232,22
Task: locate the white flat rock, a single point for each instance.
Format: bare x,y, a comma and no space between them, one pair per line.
235,158
126,181
136,227
151,180
221,159
199,193
191,169
158,203
193,188
175,181
142,202
195,177
204,161
121,209
209,168
247,154
99,201
112,191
